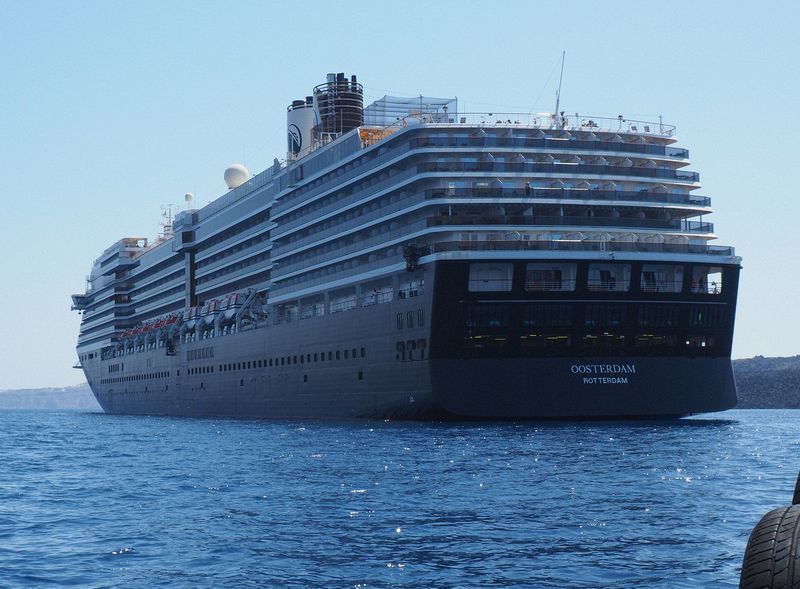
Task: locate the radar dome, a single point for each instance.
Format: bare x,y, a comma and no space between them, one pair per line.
236,175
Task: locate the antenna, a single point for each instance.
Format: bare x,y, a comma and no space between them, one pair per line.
166,222
558,118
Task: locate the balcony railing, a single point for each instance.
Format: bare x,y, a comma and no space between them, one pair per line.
557,169
358,193
580,221
529,142
567,122
282,246
661,285
569,193
289,265
550,285
611,285
578,246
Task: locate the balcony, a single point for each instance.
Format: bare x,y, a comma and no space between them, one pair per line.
557,169
581,246
582,221
529,142
567,193
280,249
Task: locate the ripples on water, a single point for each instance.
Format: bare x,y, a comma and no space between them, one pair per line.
91,500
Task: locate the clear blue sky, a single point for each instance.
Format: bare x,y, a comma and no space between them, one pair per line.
109,110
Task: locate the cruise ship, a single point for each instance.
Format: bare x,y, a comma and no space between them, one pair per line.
409,260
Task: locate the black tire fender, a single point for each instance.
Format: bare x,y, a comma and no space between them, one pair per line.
771,559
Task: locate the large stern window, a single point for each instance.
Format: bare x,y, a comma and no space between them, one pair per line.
492,277
707,280
661,278
609,277
550,277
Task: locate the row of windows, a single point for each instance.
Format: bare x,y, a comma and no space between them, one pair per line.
200,354
351,242
601,277
409,319
596,315
260,278
331,179
235,230
159,298
606,344
341,268
157,283
610,143
410,350
371,294
233,268
135,377
233,250
460,165
348,354
369,207
134,277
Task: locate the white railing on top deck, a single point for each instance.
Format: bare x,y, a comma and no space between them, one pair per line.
566,122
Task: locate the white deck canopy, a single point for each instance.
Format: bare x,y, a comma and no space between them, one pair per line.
389,109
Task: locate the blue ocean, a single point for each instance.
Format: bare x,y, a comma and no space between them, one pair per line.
91,500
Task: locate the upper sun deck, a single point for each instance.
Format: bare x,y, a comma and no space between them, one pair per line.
564,126
120,253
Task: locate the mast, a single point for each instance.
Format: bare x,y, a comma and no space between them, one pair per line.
556,114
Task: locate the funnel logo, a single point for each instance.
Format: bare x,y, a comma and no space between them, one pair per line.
295,139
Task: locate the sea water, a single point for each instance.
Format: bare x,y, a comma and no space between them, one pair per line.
92,500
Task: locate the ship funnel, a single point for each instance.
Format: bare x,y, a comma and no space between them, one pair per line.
301,118
340,104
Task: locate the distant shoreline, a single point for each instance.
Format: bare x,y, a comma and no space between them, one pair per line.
762,383
768,383
75,398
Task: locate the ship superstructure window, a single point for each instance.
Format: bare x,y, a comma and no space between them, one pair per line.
707,316
609,277
707,280
606,344
487,316
488,343
492,277
661,278
658,316
700,345
535,343
550,277
547,315
604,315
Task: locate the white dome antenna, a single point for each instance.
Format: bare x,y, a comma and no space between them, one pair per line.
188,197
236,175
